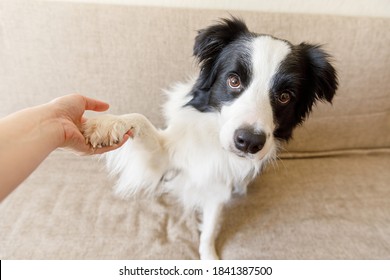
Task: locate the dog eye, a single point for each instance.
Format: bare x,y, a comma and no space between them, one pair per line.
284,98
234,81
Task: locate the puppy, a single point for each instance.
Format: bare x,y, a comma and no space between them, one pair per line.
221,127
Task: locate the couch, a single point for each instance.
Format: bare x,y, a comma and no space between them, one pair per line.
327,196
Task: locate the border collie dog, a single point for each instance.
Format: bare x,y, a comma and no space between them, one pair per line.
223,126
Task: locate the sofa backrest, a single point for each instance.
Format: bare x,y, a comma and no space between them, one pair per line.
126,55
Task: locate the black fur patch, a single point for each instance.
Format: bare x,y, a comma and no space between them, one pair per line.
222,50
308,75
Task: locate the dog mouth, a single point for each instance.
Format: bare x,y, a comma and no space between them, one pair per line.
241,154
259,156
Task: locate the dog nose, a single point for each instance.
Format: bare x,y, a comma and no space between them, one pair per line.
249,141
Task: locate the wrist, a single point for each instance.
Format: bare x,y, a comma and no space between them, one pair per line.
27,138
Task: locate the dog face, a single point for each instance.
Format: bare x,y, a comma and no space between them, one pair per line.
262,87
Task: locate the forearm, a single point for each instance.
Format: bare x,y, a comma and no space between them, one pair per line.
26,139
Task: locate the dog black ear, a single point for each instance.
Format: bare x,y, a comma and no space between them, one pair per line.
320,82
321,75
210,41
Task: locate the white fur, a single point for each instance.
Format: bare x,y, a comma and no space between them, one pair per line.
194,158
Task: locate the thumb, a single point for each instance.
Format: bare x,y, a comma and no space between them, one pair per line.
95,105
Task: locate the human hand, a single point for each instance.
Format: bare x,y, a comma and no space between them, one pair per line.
68,111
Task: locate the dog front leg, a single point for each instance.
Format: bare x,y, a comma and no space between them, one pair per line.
209,231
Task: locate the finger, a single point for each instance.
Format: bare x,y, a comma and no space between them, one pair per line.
95,105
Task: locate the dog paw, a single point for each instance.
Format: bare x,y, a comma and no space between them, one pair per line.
104,131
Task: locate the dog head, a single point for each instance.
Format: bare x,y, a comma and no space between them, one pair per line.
261,87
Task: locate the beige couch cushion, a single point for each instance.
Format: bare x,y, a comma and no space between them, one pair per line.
320,208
